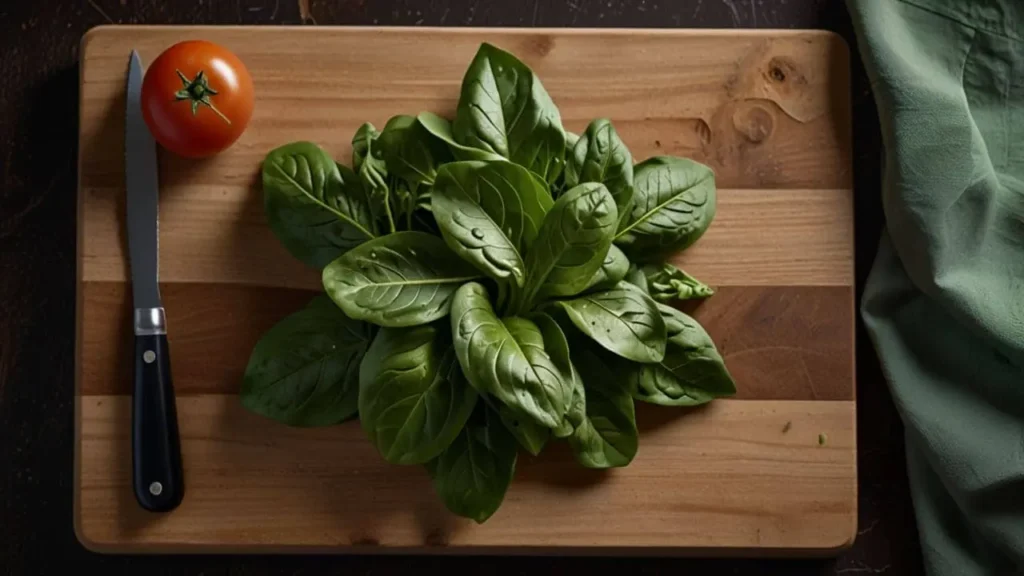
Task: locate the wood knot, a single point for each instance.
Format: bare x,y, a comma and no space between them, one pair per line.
541,45
436,538
703,131
782,72
754,123
358,540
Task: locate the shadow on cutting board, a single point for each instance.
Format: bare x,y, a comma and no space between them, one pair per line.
330,478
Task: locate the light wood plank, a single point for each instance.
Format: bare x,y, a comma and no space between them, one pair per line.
734,475
766,110
218,233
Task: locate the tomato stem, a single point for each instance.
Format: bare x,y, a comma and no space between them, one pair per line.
198,91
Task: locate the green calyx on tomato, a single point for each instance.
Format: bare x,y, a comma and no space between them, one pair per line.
188,76
198,91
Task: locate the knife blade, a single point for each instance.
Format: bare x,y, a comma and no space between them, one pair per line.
157,478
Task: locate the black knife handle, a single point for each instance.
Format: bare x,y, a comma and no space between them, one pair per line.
156,449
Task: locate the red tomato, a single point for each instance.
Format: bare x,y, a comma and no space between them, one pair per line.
197,98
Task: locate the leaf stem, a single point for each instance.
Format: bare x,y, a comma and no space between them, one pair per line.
391,219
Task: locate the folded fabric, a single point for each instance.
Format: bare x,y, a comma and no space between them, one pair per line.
944,302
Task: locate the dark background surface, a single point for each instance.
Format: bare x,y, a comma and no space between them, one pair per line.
38,153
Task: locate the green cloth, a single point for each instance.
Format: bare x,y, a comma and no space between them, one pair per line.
944,302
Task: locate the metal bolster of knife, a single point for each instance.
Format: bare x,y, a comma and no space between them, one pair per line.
150,321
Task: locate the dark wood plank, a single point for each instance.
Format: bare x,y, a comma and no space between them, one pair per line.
213,328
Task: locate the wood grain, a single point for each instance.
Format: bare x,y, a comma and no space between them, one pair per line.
213,233
768,110
733,475
749,324
765,110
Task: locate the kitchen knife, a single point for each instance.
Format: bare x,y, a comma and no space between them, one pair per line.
156,453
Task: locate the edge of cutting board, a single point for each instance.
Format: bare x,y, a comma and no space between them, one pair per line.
463,550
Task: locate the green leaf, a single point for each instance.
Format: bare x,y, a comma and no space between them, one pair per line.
472,475
622,319
504,109
304,371
571,138
530,435
364,147
403,200
608,436
557,347
402,279
410,151
572,243
692,371
441,129
636,277
599,155
372,172
577,411
489,212
673,204
413,400
612,270
315,212
506,358
669,283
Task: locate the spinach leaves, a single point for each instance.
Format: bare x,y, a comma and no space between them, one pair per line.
315,213
305,370
491,284
606,435
622,319
489,212
614,268
504,109
667,283
410,152
598,155
472,475
572,243
506,358
401,279
413,400
691,373
674,203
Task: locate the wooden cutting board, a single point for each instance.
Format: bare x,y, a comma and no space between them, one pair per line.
773,469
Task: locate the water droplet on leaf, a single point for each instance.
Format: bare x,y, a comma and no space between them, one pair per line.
477,233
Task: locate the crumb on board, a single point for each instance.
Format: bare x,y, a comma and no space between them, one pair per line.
822,439
787,426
